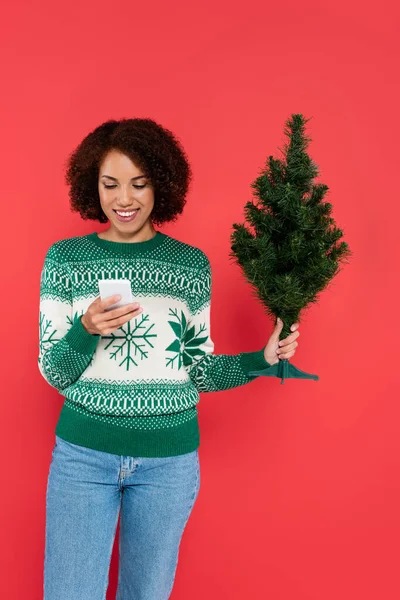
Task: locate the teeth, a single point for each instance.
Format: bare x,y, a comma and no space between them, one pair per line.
126,214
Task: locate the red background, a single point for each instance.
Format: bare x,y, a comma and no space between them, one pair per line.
300,489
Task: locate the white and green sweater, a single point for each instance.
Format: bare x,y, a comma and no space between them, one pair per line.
133,392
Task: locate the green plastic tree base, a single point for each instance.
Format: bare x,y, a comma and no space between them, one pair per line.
285,370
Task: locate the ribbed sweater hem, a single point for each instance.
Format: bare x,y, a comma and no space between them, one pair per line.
84,430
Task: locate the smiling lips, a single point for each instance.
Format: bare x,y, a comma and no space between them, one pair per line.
126,216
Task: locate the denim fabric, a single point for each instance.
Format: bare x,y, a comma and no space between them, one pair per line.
87,490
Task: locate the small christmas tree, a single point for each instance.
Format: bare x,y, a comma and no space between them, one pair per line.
290,247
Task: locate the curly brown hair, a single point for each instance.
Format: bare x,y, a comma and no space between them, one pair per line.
153,148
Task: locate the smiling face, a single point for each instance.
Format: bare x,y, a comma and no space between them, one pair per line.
126,197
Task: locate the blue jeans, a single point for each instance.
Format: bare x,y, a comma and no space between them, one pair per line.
86,491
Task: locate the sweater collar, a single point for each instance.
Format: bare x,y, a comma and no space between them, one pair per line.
128,248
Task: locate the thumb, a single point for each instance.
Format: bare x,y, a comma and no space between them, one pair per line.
278,327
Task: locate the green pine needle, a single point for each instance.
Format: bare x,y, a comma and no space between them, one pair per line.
289,247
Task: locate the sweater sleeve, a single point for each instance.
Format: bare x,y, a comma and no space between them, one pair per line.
65,347
214,372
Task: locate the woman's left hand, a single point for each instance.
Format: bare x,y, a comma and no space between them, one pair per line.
275,349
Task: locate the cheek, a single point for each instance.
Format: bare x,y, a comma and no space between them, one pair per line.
148,204
105,200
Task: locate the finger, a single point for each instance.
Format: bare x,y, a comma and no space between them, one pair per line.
121,310
287,348
109,300
294,326
287,355
115,323
277,330
290,338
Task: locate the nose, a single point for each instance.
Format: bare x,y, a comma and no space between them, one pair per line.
126,196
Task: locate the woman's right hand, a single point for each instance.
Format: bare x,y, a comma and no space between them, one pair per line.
98,321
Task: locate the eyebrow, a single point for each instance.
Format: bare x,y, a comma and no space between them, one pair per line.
132,178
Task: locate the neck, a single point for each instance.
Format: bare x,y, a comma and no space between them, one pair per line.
145,233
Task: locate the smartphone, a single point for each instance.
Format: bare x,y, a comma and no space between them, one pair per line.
110,287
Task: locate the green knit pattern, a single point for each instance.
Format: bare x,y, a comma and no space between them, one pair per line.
134,391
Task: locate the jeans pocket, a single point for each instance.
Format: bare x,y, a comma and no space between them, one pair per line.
69,451
64,443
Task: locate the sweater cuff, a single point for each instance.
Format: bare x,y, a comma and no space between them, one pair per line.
81,340
253,361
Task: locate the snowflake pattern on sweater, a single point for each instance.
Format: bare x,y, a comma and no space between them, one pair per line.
187,343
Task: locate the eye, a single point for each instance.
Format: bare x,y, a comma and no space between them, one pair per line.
138,187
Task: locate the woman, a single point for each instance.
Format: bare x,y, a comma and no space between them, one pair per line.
127,436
